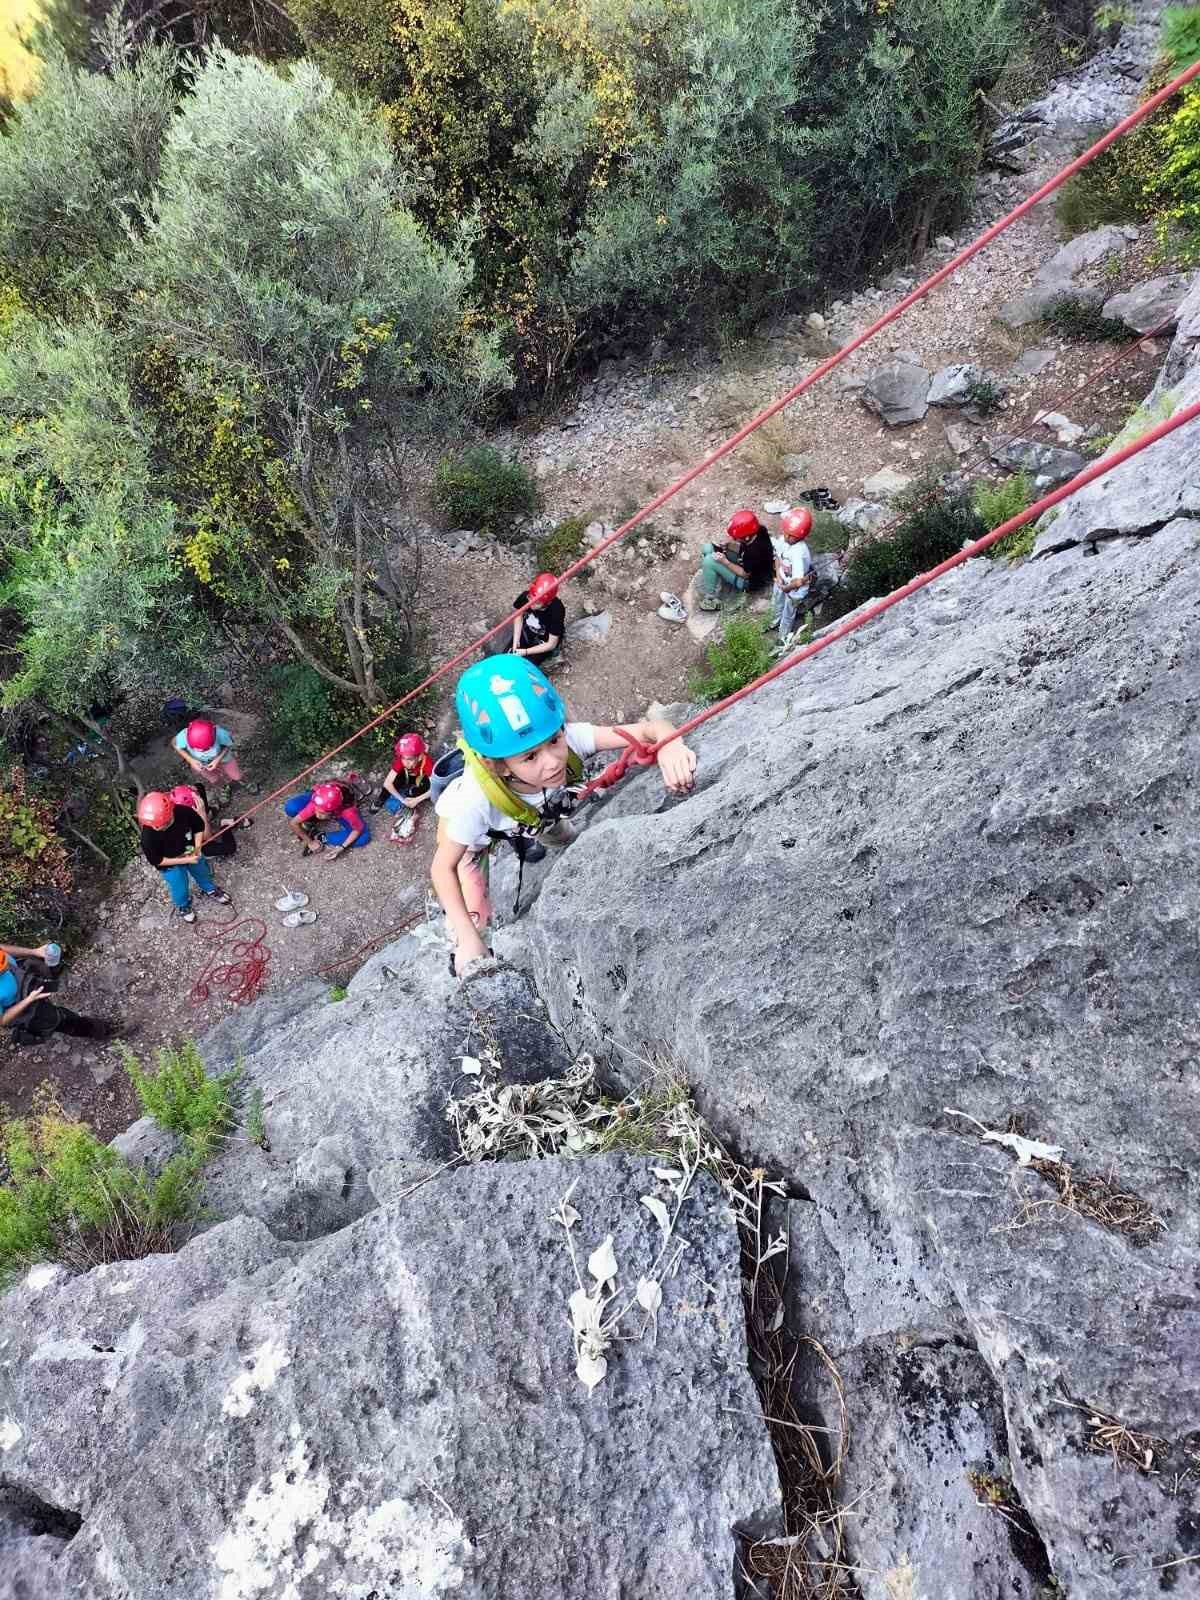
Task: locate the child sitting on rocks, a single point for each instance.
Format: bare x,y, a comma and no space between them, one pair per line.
523,764
746,565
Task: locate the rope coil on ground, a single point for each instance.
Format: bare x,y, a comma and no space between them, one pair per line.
243,974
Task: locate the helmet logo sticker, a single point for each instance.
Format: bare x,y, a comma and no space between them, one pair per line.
514,712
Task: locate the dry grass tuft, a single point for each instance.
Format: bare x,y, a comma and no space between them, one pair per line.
1112,1437
1101,1199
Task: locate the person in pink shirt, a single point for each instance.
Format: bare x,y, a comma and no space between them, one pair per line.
327,818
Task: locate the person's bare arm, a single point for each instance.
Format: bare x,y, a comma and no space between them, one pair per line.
676,761
7,1018
444,873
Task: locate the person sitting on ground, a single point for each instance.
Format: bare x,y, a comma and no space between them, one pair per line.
26,979
209,752
522,758
539,632
326,818
745,565
172,840
793,568
406,786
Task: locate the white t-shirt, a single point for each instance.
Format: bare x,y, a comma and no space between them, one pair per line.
469,815
795,561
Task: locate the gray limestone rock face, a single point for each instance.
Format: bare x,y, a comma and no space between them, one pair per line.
886,484
950,863
1153,305
394,1410
1046,464
863,515
349,1084
1084,250
1033,303
898,393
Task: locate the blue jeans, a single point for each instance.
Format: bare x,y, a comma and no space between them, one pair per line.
714,577
181,889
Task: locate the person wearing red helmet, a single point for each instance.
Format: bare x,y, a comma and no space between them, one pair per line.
406,786
538,633
27,978
326,818
793,568
746,564
172,840
208,751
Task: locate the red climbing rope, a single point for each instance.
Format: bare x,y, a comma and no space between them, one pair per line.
236,965
1146,109
388,933
859,619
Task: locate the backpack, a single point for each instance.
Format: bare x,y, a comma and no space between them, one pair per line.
506,800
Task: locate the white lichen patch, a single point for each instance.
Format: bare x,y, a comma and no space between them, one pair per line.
42,1276
262,1369
287,1532
10,1434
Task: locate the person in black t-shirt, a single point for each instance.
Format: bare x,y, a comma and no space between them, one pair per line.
172,837
538,633
747,564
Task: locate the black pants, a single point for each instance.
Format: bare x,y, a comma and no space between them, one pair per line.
45,1017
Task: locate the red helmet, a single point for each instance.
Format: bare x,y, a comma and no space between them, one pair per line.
202,734
796,524
155,809
410,745
184,795
543,589
328,798
743,525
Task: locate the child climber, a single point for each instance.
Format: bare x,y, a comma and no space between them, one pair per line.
793,568
521,756
406,786
208,751
172,838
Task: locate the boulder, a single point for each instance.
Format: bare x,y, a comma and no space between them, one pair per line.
394,1410
864,516
1031,363
1063,429
978,818
1084,250
898,393
591,630
961,440
952,385
1047,465
886,483
1033,303
1152,304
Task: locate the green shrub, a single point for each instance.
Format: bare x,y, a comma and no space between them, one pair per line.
743,652
181,1097
1075,319
565,544
307,715
828,536
985,395
72,1199
928,534
996,502
480,489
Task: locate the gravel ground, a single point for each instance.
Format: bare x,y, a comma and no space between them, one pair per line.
613,446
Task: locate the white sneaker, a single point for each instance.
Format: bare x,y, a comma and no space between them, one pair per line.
672,608
404,827
292,901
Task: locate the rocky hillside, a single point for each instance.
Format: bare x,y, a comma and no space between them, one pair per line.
924,942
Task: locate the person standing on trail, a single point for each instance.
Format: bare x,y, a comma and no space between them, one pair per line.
208,750
793,567
27,979
745,565
523,764
172,841
539,632
326,818
406,786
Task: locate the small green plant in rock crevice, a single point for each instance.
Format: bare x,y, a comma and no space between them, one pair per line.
742,653
338,991
181,1097
984,395
256,1125
1083,323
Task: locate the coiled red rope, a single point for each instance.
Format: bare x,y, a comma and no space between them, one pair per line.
237,965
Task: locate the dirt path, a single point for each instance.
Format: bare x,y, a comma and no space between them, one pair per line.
614,446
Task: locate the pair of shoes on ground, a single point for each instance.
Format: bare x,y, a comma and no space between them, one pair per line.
708,602
672,608
294,906
188,913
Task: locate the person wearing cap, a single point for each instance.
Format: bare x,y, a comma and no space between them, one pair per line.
172,841
793,568
26,982
406,786
539,632
745,565
326,818
208,750
523,760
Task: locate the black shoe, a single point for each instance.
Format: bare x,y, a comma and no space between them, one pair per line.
376,805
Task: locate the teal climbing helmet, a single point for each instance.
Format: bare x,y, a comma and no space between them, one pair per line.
506,705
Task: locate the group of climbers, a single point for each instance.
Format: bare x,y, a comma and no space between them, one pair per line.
514,774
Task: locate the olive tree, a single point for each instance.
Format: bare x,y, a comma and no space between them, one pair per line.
282,268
